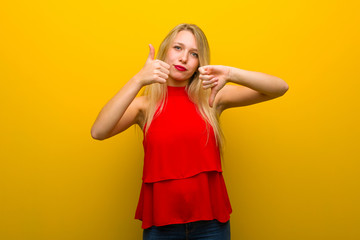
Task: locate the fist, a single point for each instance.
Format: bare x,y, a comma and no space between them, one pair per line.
154,70
214,77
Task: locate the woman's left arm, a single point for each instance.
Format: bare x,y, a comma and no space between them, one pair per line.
252,87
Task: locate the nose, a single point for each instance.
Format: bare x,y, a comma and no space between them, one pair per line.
184,57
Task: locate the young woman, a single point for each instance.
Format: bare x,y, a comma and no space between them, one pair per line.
183,194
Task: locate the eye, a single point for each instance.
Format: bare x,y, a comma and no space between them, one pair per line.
195,55
177,47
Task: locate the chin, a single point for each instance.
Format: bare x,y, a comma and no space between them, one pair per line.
181,79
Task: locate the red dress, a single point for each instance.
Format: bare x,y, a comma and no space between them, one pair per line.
182,175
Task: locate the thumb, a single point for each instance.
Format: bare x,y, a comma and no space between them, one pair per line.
151,53
208,69
213,93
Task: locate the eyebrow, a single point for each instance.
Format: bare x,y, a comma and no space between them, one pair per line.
184,45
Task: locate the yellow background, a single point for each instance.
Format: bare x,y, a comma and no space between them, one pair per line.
291,164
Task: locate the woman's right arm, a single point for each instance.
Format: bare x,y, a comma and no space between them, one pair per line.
115,110
125,109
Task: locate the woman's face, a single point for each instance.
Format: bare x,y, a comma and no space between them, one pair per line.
183,58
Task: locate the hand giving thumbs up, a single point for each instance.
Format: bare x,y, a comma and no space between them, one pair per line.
154,70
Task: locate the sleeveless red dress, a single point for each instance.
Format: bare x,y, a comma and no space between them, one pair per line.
182,175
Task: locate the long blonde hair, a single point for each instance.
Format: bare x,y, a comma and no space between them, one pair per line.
156,93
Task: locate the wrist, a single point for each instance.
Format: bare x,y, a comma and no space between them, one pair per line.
230,74
137,82
236,75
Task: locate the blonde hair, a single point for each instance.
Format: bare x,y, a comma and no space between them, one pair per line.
157,93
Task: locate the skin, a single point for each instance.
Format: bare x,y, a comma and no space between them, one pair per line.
125,109
183,51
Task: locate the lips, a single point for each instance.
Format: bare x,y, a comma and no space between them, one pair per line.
180,68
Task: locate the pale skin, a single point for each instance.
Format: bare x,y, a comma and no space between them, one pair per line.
125,109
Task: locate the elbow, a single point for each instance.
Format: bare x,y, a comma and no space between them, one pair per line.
283,88
280,90
95,135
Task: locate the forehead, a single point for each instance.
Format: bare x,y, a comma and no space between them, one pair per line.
186,38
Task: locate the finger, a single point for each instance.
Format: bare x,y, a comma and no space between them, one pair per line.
164,64
161,66
212,80
161,74
151,53
164,70
206,77
204,69
210,84
160,79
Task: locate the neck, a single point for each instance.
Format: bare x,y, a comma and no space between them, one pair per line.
176,91
173,83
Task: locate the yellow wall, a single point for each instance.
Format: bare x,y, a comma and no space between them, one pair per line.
291,164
